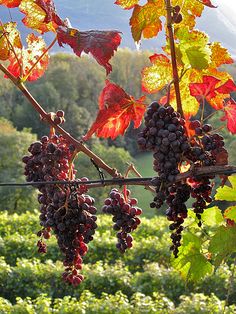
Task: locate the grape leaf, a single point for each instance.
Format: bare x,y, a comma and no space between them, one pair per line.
11,38
116,110
40,15
191,263
212,89
28,57
190,104
230,213
212,216
223,243
145,20
10,3
193,47
219,55
190,9
230,115
101,44
227,193
208,3
157,76
127,4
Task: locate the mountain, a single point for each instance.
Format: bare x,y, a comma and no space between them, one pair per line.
103,15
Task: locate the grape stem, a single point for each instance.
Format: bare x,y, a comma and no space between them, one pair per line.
173,57
47,117
197,172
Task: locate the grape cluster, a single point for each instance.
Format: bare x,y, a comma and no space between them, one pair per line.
66,210
125,218
165,134
206,147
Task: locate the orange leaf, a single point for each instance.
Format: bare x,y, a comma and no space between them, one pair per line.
127,4
145,20
10,36
28,57
40,15
116,110
101,44
219,56
10,3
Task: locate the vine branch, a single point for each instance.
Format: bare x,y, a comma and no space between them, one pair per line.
198,172
173,57
78,144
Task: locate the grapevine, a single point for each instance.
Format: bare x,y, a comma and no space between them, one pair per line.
188,153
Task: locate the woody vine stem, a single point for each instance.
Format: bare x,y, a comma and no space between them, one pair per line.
173,57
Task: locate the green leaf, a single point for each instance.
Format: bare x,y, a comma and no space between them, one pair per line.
227,193
223,243
230,213
198,57
212,216
191,263
193,48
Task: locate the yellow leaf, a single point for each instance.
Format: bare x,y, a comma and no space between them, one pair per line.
220,55
35,17
190,9
9,36
154,78
127,4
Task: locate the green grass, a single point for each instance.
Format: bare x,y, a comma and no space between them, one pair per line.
143,164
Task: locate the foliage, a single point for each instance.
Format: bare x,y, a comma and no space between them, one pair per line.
30,276
13,145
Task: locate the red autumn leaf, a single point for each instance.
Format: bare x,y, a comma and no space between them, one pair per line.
211,90
205,89
40,15
230,115
10,3
116,110
51,15
208,3
101,44
27,57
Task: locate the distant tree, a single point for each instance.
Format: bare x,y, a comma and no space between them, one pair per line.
13,145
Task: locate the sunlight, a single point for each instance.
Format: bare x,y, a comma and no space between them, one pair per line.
226,11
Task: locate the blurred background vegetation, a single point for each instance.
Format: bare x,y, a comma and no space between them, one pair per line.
139,282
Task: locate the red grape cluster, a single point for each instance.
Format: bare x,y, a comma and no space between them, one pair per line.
206,148
165,134
125,218
65,209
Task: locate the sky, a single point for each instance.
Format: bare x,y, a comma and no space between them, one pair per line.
220,23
